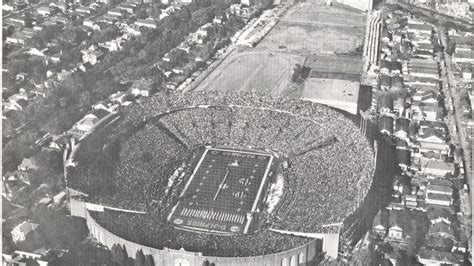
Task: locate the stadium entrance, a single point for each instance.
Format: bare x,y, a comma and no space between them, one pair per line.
223,192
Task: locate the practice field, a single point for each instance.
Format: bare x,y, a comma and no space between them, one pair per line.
316,28
252,70
224,187
342,94
320,64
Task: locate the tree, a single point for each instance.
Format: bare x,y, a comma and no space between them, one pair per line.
139,258
202,16
149,260
119,254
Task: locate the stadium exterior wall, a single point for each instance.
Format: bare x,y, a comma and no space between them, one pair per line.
303,255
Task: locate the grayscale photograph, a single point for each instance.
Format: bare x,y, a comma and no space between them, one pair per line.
237,132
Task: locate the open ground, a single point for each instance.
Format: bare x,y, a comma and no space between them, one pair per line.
308,28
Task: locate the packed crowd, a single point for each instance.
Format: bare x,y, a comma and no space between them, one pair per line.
322,185
151,232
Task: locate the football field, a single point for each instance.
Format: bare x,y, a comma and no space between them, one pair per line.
225,186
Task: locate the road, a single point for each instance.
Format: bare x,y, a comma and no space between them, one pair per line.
449,88
22,11
434,16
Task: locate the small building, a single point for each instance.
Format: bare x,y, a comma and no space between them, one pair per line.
428,256
23,258
118,97
437,189
27,165
115,12
59,198
380,222
437,214
438,199
44,11
143,88
396,221
146,23
23,231
401,128
419,29
88,123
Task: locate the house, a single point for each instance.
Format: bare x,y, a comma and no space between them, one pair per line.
411,201
127,7
92,55
55,58
178,70
115,12
219,19
396,82
44,11
460,56
435,167
118,97
431,150
91,24
146,23
438,199
247,2
380,222
466,71
437,214
23,258
437,189
396,222
401,128
99,105
59,198
23,231
86,66
27,165
419,29
428,256
442,235
19,37
88,123
184,46
83,10
425,98
143,87
432,135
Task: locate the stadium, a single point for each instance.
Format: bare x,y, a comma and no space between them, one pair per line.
227,178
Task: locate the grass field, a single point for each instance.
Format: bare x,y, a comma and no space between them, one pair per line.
224,187
309,28
252,70
342,94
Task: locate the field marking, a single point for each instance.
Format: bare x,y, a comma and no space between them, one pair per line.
239,151
188,183
265,175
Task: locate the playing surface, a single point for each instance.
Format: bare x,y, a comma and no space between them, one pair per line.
224,187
